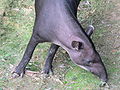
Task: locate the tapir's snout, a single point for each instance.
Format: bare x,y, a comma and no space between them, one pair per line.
99,70
104,78
91,62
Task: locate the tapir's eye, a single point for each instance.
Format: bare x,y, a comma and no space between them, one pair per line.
77,45
89,63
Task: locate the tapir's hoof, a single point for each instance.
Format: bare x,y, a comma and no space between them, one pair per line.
47,72
44,75
15,75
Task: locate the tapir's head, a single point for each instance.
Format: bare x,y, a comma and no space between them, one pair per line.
84,55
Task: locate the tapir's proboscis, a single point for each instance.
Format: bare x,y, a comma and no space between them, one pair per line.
56,22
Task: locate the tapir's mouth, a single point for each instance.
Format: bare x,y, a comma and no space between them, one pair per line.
84,67
102,77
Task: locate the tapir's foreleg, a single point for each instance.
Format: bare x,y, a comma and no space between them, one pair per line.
53,49
20,69
48,63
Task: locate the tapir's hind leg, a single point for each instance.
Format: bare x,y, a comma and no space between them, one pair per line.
48,63
20,69
53,49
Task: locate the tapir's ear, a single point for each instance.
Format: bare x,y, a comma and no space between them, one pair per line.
77,45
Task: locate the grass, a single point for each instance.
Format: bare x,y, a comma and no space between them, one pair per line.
81,79
16,28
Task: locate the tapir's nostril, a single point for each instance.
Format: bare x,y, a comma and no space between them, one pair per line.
104,79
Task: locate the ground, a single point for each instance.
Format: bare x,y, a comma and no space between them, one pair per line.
15,31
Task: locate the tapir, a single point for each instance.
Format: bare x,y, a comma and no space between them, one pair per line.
56,22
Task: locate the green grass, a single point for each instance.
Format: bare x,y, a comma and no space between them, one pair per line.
81,79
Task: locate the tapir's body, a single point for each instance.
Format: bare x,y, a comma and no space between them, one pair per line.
56,22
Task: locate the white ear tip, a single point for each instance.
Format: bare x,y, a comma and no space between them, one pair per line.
91,26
